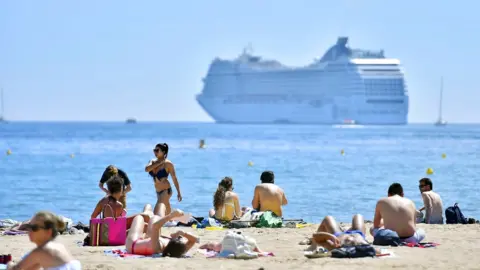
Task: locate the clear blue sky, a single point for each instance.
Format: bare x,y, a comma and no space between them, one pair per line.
108,60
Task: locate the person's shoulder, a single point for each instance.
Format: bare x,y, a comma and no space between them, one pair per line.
168,162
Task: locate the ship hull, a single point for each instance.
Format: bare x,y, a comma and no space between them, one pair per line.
363,113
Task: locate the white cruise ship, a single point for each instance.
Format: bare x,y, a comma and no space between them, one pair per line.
345,86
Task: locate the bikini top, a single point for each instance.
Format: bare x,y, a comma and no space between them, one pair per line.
162,173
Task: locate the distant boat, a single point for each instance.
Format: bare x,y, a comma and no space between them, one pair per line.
2,113
441,121
131,121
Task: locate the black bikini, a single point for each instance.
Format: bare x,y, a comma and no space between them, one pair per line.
162,173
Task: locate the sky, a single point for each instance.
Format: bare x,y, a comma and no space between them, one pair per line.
108,60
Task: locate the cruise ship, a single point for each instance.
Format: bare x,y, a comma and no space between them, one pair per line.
344,86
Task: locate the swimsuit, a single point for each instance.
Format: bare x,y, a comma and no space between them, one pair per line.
162,173
135,242
223,211
337,234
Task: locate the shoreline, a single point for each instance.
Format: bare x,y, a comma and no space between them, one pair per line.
459,248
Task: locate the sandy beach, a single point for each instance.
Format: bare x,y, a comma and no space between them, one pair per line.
459,249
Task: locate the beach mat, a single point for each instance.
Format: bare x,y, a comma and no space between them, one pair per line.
122,253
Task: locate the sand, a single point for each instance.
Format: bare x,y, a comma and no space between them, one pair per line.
459,249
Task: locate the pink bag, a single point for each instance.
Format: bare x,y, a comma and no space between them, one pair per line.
108,231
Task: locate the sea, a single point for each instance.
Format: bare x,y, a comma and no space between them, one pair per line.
324,170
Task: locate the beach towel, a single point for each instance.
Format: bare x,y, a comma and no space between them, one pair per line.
122,253
420,245
269,220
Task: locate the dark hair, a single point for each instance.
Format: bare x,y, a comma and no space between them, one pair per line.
175,248
164,148
219,196
115,184
395,189
267,177
427,182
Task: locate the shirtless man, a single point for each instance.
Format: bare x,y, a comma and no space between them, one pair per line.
268,196
152,242
396,213
432,202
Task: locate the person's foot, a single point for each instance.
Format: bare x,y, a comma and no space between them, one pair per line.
306,241
177,213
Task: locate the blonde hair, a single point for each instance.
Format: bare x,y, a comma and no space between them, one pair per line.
51,221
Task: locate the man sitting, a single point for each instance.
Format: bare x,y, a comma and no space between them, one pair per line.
432,202
268,196
396,214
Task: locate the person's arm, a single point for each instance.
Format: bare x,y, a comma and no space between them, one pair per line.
103,179
152,165
172,172
256,199
98,209
238,209
428,206
31,261
126,181
191,239
377,219
157,226
284,199
326,238
421,209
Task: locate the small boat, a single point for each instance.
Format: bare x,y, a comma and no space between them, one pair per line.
440,121
349,122
131,121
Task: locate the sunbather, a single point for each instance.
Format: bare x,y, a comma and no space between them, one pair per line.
111,205
48,254
149,242
225,202
330,235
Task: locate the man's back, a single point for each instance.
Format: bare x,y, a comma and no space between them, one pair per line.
398,215
433,207
269,197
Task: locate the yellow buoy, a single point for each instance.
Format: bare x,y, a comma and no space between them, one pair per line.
250,163
444,155
429,171
342,152
72,155
9,152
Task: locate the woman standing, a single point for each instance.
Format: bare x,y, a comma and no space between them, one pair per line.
159,169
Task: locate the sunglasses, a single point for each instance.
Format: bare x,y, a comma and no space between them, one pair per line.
34,227
422,186
156,150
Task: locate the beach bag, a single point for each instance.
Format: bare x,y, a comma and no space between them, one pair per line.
454,215
235,244
269,220
108,231
360,251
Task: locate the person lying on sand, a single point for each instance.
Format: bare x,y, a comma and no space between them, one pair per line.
268,196
330,235
225,202
149,242
398,214
42,231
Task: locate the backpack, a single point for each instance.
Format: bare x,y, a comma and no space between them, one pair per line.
454,215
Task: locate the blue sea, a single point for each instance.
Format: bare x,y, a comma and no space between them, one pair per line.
57,166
